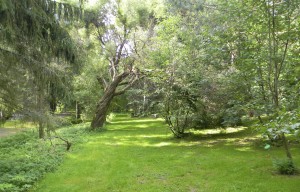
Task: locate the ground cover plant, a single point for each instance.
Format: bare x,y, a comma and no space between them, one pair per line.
25,159
138,154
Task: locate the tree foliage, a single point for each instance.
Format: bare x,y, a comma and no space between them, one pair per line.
35,50
122,33
218,61
203,63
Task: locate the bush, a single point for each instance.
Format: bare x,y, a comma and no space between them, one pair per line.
285,166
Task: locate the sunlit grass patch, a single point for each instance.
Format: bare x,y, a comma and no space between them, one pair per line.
219,130
18,124
142,155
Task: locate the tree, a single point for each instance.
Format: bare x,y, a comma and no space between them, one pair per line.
192,71
122,39
34,50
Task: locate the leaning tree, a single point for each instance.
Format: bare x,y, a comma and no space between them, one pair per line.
121,39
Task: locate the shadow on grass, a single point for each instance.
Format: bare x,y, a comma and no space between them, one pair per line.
146,132
142,155
135,121
156,134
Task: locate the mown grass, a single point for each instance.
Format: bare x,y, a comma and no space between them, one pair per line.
18,124
140,155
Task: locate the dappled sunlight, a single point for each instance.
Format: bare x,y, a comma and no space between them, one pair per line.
154,133
135,140
247,140
136,127
132,121
72,156
162,144
148,156
219,130
244,149
151,136
167,140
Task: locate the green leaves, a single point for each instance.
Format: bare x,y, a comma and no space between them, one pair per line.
25,159
36,50
267,146
284,123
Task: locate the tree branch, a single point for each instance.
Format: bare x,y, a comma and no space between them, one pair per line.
124,83
102,82
283,57
100,37
131,82
119,52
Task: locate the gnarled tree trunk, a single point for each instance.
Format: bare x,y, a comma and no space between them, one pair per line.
121,48
102,107
109,93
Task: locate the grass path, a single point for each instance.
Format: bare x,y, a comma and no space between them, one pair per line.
4,132
13,127
139,155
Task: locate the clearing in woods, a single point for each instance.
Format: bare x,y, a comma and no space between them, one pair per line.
140,155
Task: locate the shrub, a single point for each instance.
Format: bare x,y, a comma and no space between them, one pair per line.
285,166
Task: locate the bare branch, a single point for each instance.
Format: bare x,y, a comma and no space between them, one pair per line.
100,37
68,143
283,58
119,51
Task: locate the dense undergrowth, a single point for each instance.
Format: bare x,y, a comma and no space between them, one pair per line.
25,159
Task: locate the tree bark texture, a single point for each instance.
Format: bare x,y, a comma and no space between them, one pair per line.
286,146
41,111
102,108
104,103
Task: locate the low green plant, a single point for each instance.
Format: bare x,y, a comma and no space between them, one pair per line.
284,166
76,121
24,158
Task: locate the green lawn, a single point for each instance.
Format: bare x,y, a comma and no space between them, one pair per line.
12,124
12,127
136,155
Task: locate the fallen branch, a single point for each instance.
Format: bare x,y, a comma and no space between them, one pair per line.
68,143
